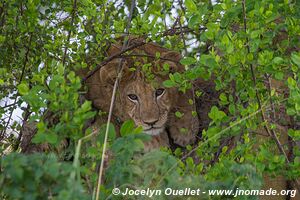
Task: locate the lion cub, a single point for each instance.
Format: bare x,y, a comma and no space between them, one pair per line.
142,97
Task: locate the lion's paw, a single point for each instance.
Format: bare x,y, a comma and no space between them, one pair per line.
182,138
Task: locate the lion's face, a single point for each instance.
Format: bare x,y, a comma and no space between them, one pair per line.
147,105
140,93
141,96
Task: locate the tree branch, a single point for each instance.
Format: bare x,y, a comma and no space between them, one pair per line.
8,105
148,56
107,60
20,80
26,116
170,32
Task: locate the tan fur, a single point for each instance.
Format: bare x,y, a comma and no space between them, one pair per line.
148,108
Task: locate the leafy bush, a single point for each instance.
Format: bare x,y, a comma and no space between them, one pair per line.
38,176
248,49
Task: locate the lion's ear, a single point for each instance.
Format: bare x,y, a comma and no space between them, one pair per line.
171,55
114,49
172,58
108,73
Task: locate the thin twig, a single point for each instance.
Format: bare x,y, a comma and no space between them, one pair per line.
107,60
209,139
148,56
264,106
8,105
270,94
120,69
185,49
70,31
2,14
20,80
170,32
181,29
270,132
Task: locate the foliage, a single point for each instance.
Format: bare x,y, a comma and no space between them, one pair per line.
250,51
38,176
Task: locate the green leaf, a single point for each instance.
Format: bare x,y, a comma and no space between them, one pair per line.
194,20
209,34
291,82
43,137
157,55
169,83
194,113
51,138
215,114
39,138
92,151
190,5
291,111
183,130
111,132
178,114
138,130
138,145
166,67
188,61
127,128
198,93
232,109
86,106
225,39
250,56
223,97
189,148
23,88
278,60
177,77
296,59
279,75
60,69
295,134
41,126
254,34
2,39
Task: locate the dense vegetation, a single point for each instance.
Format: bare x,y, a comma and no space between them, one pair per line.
249,49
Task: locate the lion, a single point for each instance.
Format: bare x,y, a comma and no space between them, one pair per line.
142,97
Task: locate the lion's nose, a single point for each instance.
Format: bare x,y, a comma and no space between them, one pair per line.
150,122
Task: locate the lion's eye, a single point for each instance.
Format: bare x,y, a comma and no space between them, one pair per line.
133,97
159,92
